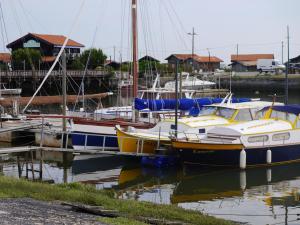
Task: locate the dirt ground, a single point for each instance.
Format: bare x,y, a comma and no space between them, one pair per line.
27,211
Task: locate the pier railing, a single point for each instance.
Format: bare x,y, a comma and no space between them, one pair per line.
57,73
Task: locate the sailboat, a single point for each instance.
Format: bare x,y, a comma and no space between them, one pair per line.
191,83
93,134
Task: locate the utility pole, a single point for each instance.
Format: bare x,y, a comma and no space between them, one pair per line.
287,68
208,66
114,53
282,53
193,47
237,51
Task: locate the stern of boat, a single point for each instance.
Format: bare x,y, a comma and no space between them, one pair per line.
134,145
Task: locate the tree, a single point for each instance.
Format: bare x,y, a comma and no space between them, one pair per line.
31,57
97,58
76,64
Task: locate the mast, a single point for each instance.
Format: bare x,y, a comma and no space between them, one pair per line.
287,68
64,90
134,48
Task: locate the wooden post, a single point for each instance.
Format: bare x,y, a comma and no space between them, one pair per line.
32,166
41,150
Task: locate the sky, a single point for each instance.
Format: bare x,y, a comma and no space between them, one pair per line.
256,26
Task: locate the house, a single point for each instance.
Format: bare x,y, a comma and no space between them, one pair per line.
247,62
5,61
48,45
112,64
148,58
205,63
189,61
295,65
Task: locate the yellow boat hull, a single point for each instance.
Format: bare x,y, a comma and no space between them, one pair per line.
132,144
205,146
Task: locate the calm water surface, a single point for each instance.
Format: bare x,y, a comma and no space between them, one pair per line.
255,196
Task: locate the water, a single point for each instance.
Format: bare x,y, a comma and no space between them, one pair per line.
254,196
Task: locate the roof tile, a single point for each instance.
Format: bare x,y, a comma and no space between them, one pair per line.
251,57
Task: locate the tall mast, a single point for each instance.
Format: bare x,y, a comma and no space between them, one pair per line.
64,90
287,68
134,48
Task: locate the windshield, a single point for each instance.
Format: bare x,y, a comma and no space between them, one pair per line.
283,116
208,110
225,112
260,114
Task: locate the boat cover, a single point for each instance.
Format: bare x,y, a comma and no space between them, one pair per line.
295,109
184,104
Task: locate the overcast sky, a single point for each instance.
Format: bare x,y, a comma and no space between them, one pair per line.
258,26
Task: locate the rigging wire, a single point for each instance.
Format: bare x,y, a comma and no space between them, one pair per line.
4,30
17,19
59,54
81,87
174,25
26,15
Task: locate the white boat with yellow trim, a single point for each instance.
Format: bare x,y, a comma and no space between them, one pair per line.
274,139
135,140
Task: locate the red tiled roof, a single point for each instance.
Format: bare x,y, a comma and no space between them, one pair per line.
251,57
5,57
57,40
182,56
198,58
48,58
206,59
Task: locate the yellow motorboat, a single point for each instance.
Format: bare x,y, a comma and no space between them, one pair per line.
147,141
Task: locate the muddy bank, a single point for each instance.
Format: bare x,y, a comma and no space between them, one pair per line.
27,211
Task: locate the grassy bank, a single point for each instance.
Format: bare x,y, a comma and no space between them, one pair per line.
130,210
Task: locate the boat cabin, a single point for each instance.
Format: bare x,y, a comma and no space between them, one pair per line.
289,113
238,112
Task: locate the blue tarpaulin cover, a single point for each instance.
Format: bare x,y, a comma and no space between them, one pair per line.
184,104
295,109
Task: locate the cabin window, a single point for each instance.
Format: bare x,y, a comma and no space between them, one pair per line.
281,137
284,116
260,114
278,115
208,111
244,115
298,122
225,112
291,117
262,138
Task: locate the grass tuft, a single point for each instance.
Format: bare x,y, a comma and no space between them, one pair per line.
86,194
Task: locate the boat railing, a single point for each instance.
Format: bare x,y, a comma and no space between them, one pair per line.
188,136
104,140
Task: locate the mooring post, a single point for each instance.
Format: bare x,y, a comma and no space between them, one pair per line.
19,167
41,149
26,159
32,166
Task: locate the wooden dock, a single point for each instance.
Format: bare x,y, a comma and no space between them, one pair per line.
69,150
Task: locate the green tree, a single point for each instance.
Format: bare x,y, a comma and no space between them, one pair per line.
31,57
76,64
97,58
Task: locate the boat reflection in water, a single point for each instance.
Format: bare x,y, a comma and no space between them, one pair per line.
255,196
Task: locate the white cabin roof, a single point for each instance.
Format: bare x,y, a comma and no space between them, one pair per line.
246,105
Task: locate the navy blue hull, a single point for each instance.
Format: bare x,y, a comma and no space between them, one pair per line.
232,157
110,143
